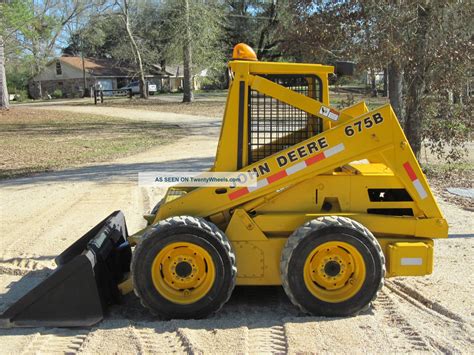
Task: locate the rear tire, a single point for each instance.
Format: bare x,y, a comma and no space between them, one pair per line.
184,267
332,266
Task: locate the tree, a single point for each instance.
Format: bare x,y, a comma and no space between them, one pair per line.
190,32
41,35
124,6
426,45
177,32
33,30
417,73
320,31
187,56
256,23
13,16
4,99
436,69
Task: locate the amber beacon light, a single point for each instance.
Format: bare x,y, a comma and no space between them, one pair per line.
243,51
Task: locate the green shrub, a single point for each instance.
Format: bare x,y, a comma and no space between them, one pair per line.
57,94
21,95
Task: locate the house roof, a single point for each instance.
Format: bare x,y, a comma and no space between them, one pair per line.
176,70
98,67
113,68
164,71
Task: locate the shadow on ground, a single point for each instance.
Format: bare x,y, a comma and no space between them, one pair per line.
250,306
112,173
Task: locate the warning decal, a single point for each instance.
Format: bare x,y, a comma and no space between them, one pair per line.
329,113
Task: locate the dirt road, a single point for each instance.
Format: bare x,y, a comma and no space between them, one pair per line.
42,215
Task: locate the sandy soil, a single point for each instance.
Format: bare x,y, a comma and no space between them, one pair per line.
42,215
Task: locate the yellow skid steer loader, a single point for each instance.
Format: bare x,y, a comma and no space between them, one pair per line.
340,203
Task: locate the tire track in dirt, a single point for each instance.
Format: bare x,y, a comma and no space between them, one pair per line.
23,264
422,326
385,303
267,340
423,303
66,341
268,335
457,333
150,341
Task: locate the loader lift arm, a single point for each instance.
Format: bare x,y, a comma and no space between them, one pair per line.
373,133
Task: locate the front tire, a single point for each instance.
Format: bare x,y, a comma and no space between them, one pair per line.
332,266
184,267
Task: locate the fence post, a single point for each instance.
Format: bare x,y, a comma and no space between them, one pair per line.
101,97
95,96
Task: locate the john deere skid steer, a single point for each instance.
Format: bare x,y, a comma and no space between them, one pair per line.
340,203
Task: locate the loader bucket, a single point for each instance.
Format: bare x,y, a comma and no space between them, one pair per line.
84,283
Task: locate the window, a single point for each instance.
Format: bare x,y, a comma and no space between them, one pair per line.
59,70
275,125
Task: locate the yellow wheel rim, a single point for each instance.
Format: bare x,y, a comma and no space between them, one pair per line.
183,273
334,271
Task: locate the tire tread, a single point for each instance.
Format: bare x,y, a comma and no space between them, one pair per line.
317,224
187,221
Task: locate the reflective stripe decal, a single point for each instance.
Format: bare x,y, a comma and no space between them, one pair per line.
260,183
420,189
410,172
238,193
297,167
288,171
334,150
411,261
315,159
275,177
416,182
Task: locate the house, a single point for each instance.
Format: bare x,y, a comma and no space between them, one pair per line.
378,75
173,78
68,76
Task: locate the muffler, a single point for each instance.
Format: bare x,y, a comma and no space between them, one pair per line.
85,282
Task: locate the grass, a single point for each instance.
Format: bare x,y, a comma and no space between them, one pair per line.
210,108
456,174
343,99
33,140
213,103
442,176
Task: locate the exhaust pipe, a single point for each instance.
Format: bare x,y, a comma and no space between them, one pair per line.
85,282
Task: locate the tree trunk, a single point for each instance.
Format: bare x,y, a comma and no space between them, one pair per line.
417,83
395,88
373,84
4,99
37,68
136,52
84,82
187,58
385,82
